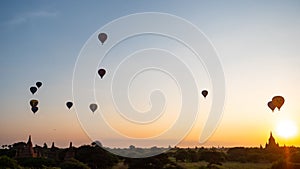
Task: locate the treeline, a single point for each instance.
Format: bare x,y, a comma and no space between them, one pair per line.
85,157
282,158
95,157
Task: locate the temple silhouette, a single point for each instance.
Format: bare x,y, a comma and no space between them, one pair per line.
271,144
24,150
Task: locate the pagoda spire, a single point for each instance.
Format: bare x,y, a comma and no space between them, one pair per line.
29,140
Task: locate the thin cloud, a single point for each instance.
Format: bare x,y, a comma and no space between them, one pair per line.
23,18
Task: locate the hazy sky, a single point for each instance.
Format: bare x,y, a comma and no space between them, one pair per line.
257,42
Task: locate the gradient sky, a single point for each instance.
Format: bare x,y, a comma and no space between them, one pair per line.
257,42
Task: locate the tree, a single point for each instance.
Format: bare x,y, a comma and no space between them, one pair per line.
36,162
160,161
6,162
213,157
95,157
73,164
281,164
295,157
181,155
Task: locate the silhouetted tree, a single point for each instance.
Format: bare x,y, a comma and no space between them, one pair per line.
213,157
95,157
181,155
192,155
36,162
6,162
73,164
160,161
281,164
295,157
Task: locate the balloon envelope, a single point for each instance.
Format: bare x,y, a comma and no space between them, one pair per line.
33,89
34,103
69,104
102,37
271,106
101,72
34,109
38,84
278,101
93,107
204,93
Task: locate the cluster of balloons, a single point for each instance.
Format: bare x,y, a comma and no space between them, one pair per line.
102,38
93,106
34,89
33,102
277,101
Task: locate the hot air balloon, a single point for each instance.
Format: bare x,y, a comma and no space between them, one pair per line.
38,84
34,103
101,72
93,107
102,37
204,93
69,104
271,106
34,109
33,89
278,101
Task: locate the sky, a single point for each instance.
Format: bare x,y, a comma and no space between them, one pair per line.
257,43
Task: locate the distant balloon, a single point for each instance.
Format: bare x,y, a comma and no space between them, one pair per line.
271,106
34,103
69,104
33,89
278,101
34,109
38,84
204,93
102,37
101,72
93,107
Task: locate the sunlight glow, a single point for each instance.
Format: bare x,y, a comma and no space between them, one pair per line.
286,128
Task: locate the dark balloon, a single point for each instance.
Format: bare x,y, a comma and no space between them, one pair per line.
102,37
34,109
204,93
271,106
34,103
33,89
278,101
101,72
38,84
69,104
93,107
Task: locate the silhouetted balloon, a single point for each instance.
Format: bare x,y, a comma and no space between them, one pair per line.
204,93
38,84
93,107
33,89
34,103
271,106
34,109
69,104
278,101
101,72
102,37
